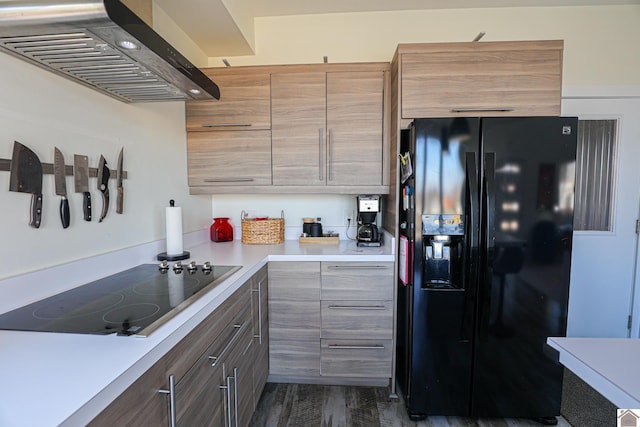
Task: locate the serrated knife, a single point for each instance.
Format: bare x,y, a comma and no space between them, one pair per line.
81,181
60,179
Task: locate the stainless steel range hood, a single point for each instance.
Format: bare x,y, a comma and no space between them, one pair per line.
102,45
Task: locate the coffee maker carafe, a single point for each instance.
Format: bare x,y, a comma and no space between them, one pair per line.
368,208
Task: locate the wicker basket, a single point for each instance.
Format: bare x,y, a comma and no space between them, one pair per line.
262,231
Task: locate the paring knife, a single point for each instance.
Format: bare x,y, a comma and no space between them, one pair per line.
120,196
103,185
26,177
81,181
60,178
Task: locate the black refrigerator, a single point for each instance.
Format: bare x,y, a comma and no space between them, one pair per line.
486,224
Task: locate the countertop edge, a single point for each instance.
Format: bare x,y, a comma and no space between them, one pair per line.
576,360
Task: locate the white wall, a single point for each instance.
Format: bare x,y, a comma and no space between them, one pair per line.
42,110
601,42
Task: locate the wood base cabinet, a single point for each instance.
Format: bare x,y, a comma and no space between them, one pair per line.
294,318
331,321
209,378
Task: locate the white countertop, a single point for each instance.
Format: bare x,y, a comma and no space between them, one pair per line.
51,379
609,365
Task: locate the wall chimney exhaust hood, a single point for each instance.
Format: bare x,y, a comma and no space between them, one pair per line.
102,45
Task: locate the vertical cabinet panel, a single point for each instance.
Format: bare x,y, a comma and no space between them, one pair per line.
298,103
354,127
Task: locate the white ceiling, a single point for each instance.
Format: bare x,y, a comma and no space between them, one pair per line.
216,26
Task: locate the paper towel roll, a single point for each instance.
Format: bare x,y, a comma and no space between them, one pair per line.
174,230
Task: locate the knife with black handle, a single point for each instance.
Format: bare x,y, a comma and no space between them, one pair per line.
59,173
103,185
26,177
81,180
119,178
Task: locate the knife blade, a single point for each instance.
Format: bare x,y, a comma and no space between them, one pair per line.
26,177
120,196
81,181
60,179
103,185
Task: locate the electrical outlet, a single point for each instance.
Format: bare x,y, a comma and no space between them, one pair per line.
348,216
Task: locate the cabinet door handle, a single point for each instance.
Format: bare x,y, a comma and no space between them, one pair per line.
358,267
485,109
330,154
236,336
235,393
259,291
320,163
228,179
223,125
356,347
172,400
357,307
227,389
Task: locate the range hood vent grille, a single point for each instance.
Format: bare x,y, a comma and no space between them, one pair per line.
89,53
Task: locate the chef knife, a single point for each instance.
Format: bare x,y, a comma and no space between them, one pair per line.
120,196
60,178
26,177
103,185
81,181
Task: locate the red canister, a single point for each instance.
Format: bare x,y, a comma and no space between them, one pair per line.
221,230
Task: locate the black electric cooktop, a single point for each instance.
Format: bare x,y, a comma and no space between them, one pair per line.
132,302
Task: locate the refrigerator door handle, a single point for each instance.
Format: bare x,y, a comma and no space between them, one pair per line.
472,242
488,243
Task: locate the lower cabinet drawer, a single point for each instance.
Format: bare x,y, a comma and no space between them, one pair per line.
294,358
357,319
356,358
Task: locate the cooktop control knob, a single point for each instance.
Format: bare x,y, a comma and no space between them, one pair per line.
206,267
192,267
163,267
177,267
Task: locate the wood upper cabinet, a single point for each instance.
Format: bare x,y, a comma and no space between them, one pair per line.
354,127
229,158
480,79
298,144
327,128
244,101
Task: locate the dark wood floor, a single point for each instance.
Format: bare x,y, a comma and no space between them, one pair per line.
305,405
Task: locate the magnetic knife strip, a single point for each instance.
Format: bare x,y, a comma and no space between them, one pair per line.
47,169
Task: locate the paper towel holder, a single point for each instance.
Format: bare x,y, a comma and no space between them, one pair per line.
164,256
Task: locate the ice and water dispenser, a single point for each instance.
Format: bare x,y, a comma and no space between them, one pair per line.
443,245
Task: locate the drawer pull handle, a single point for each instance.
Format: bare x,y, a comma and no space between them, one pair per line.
357,307
358,267
489,109
356,347
224,125
228,179
259,291
232,341
172,400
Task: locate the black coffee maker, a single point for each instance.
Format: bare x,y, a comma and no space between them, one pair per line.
368,208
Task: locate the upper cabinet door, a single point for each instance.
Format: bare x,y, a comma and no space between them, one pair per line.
481,79
244,102
298,135
354,127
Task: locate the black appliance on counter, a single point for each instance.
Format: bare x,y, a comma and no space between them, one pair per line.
486,214
133,302
368,233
